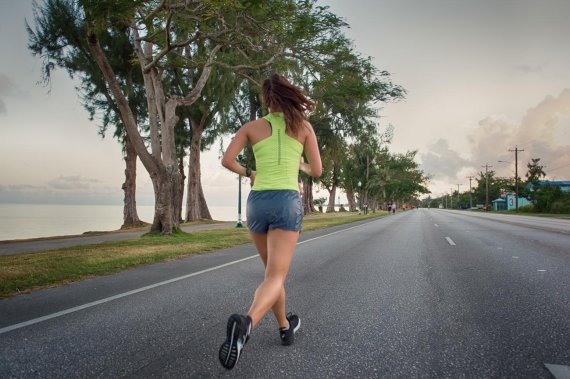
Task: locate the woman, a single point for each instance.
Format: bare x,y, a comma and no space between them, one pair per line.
274,209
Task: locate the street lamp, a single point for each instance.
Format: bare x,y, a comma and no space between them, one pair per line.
360,195
239,222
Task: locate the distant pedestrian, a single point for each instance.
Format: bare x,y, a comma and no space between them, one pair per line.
274,208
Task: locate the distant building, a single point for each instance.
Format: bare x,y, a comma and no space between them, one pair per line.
509,202
563,184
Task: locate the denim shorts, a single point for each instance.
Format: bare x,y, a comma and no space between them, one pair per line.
274,209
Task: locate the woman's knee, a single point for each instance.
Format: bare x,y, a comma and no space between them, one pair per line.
276,279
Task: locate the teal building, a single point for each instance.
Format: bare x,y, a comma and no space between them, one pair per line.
509,202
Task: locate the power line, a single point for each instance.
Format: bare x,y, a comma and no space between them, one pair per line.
558,168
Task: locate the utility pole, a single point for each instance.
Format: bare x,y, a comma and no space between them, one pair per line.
451,199
516,150
458,195
470,192
487,167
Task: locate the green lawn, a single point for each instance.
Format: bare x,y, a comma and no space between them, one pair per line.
30,271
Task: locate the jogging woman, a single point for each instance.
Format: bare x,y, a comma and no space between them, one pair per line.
274,209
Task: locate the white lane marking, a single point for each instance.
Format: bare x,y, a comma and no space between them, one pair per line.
499,248
436,225
515,257
541,270
558,371
146,288
450,241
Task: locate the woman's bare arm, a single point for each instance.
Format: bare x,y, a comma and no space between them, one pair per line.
314,167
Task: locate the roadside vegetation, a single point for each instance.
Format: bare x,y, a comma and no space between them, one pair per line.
21,273
547,198
169,79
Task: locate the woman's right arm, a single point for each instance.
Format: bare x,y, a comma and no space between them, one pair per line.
314,167
235,147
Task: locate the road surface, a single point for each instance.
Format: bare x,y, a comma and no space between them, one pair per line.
419,294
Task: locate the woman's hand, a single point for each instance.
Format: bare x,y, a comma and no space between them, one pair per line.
305,167
252,178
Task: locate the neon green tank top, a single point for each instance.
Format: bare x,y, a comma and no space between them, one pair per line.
277,158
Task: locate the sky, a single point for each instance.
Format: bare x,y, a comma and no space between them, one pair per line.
482,77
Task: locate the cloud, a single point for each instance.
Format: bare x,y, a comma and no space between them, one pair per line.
73,183
7,88
528,69
63,190
442,162
542,133
32,194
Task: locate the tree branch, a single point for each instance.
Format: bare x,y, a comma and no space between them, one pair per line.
197,90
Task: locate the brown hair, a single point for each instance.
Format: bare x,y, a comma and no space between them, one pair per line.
280,95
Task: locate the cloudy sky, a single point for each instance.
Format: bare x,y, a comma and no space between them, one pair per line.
482,77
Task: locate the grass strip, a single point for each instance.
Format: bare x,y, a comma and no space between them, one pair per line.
21,273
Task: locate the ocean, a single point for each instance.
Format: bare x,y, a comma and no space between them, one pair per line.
20,221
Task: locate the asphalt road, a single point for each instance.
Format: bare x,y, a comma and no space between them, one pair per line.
419,294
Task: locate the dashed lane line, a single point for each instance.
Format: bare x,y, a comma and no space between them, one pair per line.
450,241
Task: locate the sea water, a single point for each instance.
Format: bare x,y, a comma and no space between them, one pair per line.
21,221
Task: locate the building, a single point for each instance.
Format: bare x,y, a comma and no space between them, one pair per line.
509,202
563,184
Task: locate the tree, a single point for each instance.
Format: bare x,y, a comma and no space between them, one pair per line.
346,87
161,30
58,37
535,171
406,181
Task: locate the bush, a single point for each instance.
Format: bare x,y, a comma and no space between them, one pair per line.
527,209
560,206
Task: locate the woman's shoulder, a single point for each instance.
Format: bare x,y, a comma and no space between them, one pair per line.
252,125
308,128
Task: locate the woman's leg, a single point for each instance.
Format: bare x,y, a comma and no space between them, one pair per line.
260,241
280,246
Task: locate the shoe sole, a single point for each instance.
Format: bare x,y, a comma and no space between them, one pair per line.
231,349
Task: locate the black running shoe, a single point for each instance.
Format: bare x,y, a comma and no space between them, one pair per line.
237,334
288,335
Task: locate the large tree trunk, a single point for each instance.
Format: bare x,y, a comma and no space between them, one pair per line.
308,196
196,206
163,176
332,196
169,159
166,187
130,215
163,170
351,201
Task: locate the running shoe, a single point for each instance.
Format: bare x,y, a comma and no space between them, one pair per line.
288,335
237,334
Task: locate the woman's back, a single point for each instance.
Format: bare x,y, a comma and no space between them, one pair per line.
277,156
